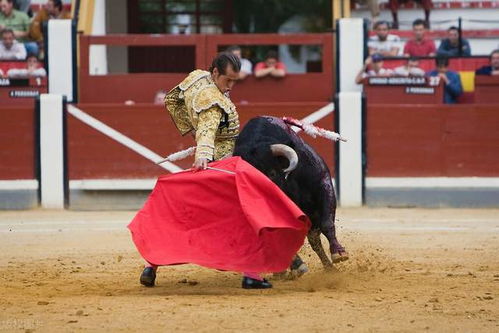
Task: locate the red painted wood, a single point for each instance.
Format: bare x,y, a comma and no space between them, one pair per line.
377,94
456,64
93,155
35,84
439,34
17,143
432,141
486,89
117,88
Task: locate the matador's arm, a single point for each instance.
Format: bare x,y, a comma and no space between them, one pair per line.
208,123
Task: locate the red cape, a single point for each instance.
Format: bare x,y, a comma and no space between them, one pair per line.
237,222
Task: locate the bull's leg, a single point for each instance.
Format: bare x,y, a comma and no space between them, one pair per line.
338,252
314,238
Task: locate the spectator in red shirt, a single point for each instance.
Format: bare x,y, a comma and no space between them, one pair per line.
394,7
419,46
270,67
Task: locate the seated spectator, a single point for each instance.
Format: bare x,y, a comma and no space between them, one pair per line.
53,9
419,46
452,80
270,67
384,43
17,21
373,8
493,69
159,98
24,6
2,75
394,6
450,45
246,65
375,62
33,69
10,48
411,68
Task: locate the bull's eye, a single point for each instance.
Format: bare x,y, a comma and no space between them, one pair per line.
272,173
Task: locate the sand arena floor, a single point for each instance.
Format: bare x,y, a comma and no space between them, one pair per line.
411,270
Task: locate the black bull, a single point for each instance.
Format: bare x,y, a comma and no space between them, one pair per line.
309,185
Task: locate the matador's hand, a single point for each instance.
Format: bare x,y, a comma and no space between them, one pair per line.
200,164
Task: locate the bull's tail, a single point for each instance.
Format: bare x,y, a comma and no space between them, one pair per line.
314,131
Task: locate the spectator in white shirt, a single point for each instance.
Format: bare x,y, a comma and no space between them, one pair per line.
10,48
384,43
411,68
32,69
246,65
373,66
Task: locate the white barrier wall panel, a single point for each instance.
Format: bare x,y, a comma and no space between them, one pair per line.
98,53
351,53
350,152
60,58
52,151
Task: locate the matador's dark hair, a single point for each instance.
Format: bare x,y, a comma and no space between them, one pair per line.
222,60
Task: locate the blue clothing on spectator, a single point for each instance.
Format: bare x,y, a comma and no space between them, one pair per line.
453,89
447,49
485,70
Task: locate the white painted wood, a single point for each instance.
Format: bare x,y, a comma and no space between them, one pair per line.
350,153
60,58
51,151
432,182
351,52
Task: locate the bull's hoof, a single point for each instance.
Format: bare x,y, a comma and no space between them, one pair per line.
148,277
298,272
339,257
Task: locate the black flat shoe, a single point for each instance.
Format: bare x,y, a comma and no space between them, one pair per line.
249,283
148,277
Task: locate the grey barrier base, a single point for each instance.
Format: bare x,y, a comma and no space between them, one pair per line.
433,197
379,197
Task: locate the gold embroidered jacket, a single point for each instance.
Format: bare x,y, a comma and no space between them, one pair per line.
197,105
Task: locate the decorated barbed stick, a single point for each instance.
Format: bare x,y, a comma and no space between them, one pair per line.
313,130
178,155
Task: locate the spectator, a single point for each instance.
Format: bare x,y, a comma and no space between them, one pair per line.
24,6
53,9
493,69
452,80
411,68
2,75
33,69
384,43
270,67
394,6
246,65
373,8
376,63
450,45
10,48
17,21
159,98
419,46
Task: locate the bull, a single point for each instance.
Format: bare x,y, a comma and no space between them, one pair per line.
271,146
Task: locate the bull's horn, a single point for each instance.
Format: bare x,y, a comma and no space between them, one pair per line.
279,149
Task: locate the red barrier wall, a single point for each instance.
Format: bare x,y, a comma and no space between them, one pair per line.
141,87
92,155
432,140
17,143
